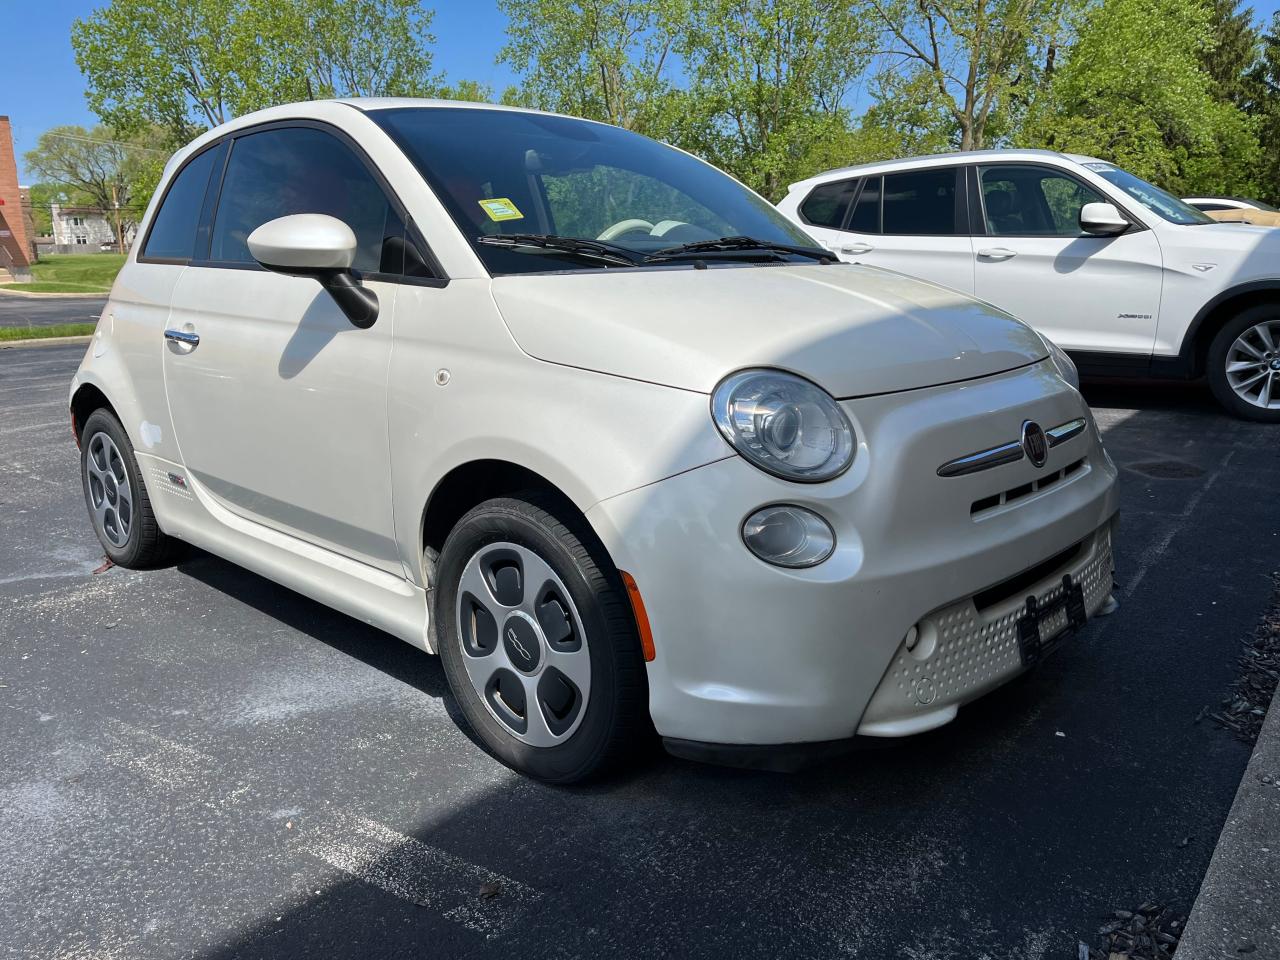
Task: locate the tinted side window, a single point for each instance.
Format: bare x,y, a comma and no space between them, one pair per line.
866,215
922,202
277,173
173,231
827,204
1033,202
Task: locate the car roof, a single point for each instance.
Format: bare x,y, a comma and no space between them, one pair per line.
940,160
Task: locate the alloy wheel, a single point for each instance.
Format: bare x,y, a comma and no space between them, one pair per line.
110,495
523,644
1253,365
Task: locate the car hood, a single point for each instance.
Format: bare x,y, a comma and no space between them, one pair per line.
854,330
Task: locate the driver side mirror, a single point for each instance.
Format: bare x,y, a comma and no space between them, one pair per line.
319,246
1102,220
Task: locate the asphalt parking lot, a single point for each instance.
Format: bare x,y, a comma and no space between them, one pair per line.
196,762
16,311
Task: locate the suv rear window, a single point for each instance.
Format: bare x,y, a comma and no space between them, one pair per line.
921,202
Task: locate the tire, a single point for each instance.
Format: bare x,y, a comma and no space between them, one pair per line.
1231,345
525,594
119,507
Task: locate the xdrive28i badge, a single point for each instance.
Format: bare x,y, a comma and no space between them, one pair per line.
1034,443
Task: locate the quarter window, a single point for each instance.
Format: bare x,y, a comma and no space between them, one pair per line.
921,202
1028,201
277,173
173,231
828,203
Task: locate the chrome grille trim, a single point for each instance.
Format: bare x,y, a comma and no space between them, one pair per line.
1010,452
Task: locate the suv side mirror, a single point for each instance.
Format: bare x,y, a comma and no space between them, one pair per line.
1102,220
319,246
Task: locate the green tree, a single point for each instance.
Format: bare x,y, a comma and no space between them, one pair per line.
1231,58
185,65
1133,91
601,59
1267,77
969,59
769,80
97,168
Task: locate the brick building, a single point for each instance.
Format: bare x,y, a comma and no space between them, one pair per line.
15,262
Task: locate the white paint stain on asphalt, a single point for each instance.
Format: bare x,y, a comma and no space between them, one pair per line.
1156,549
418,872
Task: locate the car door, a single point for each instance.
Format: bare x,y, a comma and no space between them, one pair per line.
912,222
1086,293
279,404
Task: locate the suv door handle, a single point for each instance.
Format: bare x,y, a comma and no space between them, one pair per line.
997,253
852,248
185,337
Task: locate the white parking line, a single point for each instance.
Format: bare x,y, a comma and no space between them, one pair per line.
418,872
1156,550
474,897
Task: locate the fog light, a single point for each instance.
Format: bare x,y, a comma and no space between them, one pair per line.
788,536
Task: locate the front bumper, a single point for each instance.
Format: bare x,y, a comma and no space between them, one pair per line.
751,654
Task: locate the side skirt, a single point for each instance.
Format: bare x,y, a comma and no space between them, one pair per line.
373,596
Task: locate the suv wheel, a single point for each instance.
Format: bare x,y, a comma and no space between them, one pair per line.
117,500
538,641
1244,364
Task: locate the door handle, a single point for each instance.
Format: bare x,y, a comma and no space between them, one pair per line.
856,248
187,338
997,253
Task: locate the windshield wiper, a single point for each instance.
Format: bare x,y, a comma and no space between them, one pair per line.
597,250
732,246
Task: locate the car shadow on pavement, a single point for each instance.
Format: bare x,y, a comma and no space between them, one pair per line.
358,640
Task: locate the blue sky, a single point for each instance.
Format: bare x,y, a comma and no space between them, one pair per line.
45,89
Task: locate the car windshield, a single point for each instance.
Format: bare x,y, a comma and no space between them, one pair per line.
506,173
1163,204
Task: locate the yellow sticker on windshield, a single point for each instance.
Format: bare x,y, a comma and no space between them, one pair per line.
500,208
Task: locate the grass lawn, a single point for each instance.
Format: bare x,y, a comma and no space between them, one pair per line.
52,330
72,273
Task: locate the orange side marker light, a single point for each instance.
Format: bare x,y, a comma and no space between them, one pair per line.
642,618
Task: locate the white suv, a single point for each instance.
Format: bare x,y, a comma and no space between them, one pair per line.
1130,280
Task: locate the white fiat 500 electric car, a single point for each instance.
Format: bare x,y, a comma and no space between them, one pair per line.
1128,279
595,423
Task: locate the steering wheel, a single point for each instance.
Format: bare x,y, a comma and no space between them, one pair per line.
625,226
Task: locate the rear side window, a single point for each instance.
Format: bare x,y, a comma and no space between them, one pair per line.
291,170
173,231
866,215
828,203
922,202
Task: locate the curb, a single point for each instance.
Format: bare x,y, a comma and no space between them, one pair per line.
1237,913
45,341
32,295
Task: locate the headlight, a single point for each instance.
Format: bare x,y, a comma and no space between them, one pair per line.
784,425
1066,366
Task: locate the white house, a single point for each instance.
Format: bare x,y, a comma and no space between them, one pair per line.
85,229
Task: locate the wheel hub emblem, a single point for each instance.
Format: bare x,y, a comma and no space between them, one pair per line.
1034,443
520,637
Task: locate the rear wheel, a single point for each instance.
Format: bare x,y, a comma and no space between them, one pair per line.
1244,364
538,641
116,498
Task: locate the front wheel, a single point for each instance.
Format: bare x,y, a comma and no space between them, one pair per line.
1244,364
538,641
